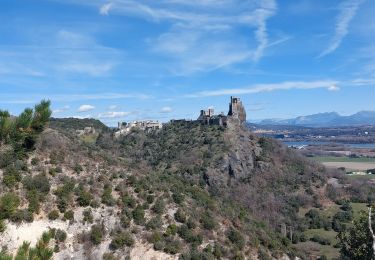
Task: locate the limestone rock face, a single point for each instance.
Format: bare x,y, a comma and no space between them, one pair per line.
240,162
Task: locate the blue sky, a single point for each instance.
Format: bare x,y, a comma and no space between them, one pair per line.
126,60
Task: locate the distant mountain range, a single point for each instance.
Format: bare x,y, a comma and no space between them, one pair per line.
326,120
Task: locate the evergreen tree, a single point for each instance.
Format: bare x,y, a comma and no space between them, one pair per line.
356,242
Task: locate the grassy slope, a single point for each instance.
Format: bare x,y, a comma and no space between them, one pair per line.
327,250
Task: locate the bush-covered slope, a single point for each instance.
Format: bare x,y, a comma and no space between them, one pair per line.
188,191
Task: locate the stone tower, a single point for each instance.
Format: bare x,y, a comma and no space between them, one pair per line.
236,109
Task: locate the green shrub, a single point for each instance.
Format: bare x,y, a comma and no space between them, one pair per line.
35,161
34,199
208,221
107,197
150,199
178,198
154,223
8,205
39,183
69,215
236,238
109,256
191,223
129,201
158,246
11,176
155,237
22,215
87,216
172,246
139,215
60,235
2,226
77,168
125,221
54,214
263,254
84,198
320,240
180,216
96,234
189,236
171,230
218,251
122,239
159,206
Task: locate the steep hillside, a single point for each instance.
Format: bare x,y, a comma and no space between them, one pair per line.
188,191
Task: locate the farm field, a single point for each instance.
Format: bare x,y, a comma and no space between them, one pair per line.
343,159
350,164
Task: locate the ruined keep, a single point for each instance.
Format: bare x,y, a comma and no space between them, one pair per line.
236,109
209,118
236,113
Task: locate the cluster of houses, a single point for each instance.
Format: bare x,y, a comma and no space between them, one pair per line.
148,125
88,130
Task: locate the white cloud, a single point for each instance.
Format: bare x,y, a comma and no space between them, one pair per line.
333,88
85,108
268,9
82,117
32,99
259,88
62,109
113,114
202,35
166,110
205,41
82,54
113,107
104,9
99,69
347,11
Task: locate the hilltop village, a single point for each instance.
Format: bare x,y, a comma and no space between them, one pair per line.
236,115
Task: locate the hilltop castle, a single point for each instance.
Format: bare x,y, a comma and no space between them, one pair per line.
236,114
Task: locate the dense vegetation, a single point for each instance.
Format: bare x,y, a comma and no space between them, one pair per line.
192,190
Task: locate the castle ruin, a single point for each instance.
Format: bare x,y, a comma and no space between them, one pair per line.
236,114
237,110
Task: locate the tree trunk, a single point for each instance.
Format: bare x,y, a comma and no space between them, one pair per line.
371,230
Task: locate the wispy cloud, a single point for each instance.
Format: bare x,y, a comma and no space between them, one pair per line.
113,107
104,9
85,108
166,110
259,88
62,109
32,99
99,69
69,53
82,116
202,35
113,114
267,10
347,11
